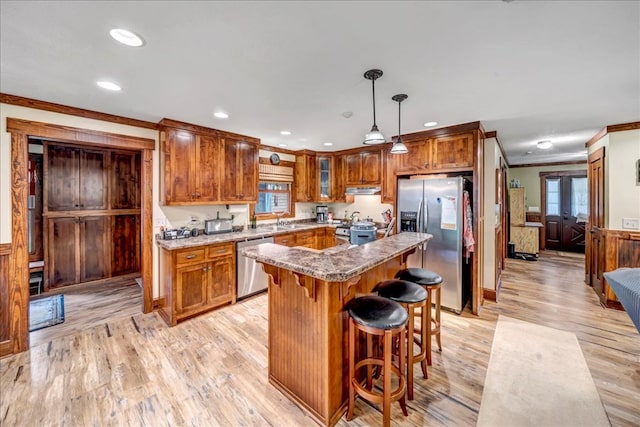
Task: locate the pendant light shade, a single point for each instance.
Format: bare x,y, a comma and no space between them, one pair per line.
399,147
374,136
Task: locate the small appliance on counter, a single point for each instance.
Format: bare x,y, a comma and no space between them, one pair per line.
175,233
362,232
218,225
322,214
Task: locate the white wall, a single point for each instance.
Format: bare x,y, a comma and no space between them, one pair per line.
623,193
492,159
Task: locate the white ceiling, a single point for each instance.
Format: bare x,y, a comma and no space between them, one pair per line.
530,70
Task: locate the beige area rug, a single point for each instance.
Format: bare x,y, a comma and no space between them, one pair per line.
537,376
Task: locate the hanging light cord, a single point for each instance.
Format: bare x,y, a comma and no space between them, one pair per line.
399,137
373,87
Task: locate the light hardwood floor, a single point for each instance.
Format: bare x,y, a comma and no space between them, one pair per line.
212,370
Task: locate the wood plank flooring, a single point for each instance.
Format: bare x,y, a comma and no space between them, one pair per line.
212,370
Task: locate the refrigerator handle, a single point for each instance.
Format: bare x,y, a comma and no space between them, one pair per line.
418,217
426,215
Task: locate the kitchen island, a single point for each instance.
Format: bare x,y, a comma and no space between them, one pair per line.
308,293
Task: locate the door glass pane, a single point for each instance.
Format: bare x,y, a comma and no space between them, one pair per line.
553,196
579,199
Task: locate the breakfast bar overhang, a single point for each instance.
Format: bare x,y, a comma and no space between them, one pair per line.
308,293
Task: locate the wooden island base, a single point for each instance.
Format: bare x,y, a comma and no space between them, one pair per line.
308,335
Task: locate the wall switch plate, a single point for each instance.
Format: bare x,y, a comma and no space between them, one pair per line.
631,223
159,222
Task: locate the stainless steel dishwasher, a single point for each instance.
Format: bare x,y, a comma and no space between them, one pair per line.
251,279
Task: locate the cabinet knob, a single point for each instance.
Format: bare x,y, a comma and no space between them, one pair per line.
205,269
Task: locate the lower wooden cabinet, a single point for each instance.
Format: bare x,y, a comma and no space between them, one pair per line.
77,250
85,248
196,280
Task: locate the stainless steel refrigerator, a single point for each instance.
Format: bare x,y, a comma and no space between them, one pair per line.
435,206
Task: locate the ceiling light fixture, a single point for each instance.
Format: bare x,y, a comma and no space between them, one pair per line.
285,132
282,145
109,86
374,136
328,144
221,115
430,124
544,145
399,147
126,37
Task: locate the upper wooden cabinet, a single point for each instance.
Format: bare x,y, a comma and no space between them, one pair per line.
364,167
453,152
339,179
306,178
418,159
240,171
204,166
325,175
77,178
125,180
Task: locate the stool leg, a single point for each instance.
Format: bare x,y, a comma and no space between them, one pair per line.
410,328
352,371
424,337
401,368
428,328
438,334
386,380
369,367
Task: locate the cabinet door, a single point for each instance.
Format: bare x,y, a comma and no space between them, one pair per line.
221,281
372,167
325,178
353,166
125,187
452,152
418,159
285,239
208,168
389,178
95,256
191,288
305,178
125,244
248,164
61,178
180,170
63,251
93,179
339,189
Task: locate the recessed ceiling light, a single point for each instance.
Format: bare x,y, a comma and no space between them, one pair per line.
543,145
328,144
126,37
285,132
430,124
221,115
282,145
109,86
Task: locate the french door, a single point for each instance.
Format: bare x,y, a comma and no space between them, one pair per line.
566,210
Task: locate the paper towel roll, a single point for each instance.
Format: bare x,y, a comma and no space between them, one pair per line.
238,208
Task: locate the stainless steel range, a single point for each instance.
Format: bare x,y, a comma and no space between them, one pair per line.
343,234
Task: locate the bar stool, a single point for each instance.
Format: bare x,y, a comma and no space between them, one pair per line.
377,317
412,297
431,281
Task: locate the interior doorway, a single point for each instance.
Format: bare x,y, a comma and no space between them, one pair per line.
14,321
565,209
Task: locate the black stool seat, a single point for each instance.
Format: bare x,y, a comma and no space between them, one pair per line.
420,276
377,312
401,291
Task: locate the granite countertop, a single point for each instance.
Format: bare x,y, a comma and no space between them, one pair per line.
240,236
338,263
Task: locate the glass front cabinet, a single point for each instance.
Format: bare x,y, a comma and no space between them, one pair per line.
325,179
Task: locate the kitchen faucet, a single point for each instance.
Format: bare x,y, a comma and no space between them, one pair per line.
278,217
354,216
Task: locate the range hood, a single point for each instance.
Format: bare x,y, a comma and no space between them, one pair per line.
362,191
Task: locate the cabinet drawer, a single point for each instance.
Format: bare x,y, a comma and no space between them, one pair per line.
189,256
220,250
285,240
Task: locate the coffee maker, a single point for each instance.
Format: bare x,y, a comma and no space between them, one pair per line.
322,214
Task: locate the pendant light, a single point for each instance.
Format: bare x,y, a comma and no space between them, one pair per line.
399,147
374,136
